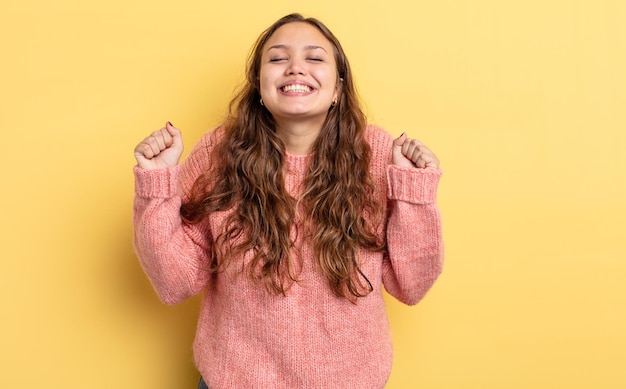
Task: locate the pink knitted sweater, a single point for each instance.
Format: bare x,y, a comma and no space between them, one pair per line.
249,338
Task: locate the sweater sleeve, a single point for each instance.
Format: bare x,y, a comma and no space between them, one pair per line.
172,253
414,257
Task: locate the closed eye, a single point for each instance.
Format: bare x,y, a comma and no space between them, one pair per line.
277,59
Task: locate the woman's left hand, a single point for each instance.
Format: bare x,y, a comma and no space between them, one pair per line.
412,153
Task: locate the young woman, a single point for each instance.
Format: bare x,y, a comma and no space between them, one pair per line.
290,218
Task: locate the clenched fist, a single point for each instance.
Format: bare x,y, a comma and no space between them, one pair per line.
162,149
412,153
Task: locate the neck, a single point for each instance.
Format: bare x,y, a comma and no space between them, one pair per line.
298,137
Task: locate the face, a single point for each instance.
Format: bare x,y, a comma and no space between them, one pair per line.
298,75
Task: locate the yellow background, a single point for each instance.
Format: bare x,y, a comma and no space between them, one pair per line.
523,101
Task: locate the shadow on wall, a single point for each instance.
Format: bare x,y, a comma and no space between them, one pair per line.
159,337
167,329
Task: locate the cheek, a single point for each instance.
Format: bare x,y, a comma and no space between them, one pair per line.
328,77
331,84
266,80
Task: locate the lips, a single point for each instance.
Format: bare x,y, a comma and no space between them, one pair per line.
296,88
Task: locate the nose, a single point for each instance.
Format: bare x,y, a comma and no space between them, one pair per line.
296,66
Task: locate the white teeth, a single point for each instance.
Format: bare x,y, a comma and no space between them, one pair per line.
296,88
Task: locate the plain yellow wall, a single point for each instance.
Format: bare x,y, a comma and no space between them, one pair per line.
524,102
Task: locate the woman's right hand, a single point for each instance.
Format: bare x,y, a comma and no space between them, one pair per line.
162,149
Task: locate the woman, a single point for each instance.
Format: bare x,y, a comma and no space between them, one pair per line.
290,218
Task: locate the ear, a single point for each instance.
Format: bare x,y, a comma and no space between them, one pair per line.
338,89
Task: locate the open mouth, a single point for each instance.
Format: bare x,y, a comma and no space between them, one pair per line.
296,88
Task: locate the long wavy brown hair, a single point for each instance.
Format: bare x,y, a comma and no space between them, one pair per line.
340,211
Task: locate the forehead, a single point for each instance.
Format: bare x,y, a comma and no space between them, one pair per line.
296,35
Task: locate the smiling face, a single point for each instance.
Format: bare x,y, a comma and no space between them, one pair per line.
298,74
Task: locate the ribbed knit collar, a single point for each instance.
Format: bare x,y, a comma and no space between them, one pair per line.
298,164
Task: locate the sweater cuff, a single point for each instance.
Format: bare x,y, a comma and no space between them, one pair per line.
417,186
157,183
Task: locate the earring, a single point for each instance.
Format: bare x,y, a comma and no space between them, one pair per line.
334,102
262,101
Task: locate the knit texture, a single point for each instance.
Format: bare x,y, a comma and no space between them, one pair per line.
309,338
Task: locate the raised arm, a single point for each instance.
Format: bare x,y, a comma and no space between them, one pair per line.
414,257
172,253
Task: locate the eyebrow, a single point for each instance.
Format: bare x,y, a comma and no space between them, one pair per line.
309,47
